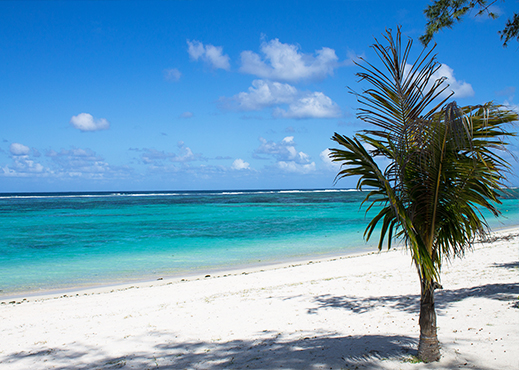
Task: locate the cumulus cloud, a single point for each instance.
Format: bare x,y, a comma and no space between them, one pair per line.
461,89
22,166
185,154
288,158
327,161
62,164
73,162
311,105
265,93
19,149
212,55
172,74
284,62
240,164
294,167
282,151
85,122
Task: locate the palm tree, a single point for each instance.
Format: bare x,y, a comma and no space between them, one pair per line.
443,166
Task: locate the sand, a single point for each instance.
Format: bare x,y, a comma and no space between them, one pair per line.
357,312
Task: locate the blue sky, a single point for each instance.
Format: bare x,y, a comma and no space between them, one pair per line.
201,95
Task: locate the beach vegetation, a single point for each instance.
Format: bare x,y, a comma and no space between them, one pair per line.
429,164
412,360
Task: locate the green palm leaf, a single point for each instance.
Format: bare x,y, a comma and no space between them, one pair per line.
444,165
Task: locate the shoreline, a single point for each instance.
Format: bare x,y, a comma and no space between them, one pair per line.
357,311
62,262
210,272
202,274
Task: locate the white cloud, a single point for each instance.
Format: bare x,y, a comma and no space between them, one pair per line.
22,166
186,154
461,89
212,55
75,162
311,105
19,149
327,161
240,164
63,164
284,62
195,49
85,122
288,159
283,151
264,93
288,140
172,74
294,167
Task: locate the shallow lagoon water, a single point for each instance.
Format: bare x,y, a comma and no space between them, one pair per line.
64,240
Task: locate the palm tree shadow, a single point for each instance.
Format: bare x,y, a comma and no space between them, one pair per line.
308,352
410,303
511,265
501,292
273,352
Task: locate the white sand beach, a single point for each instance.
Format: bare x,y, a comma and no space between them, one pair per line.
338,313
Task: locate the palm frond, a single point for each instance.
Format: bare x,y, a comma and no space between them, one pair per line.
444,160
356,161
402,92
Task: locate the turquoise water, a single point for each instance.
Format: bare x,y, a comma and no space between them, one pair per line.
59,241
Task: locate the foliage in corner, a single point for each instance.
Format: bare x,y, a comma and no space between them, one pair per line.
444,13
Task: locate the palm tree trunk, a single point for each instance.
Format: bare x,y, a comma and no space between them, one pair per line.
429,347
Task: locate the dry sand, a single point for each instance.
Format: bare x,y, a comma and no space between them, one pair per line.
343,313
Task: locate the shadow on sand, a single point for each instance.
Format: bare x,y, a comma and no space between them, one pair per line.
411,303
325,352
273,351
511,265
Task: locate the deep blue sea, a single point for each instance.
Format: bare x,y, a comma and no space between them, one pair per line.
69,240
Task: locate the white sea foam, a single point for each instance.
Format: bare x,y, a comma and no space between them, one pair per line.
167,194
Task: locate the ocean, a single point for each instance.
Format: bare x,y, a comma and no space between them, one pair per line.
58,241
